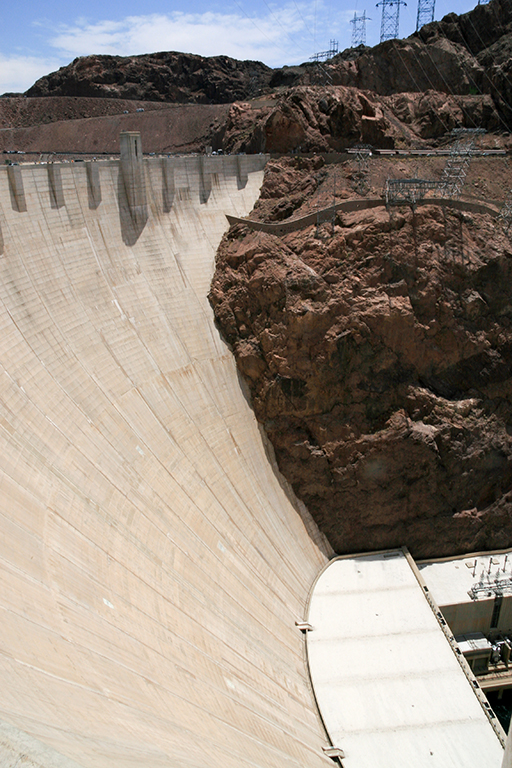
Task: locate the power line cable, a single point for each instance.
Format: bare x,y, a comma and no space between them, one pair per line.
415,82
282,26
448,88
251,19
474,85
306,25
484,70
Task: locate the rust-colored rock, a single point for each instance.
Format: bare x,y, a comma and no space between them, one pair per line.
314,119
379,361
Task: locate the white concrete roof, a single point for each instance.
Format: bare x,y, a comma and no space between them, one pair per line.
474,641
389,687
450,580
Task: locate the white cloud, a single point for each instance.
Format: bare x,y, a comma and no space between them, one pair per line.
282,35
278,37
17,73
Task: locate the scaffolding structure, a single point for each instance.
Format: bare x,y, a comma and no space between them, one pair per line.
408,191
333,50
425,15
359,29
390,21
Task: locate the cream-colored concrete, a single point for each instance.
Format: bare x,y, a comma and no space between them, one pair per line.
507,757
152,561
452,582
389,685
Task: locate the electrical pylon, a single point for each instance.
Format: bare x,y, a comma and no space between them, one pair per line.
390,21
359,29
425,15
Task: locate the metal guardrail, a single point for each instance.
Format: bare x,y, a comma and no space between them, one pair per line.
496,588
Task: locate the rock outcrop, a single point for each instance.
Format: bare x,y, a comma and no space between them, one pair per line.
459,55
397,66
379,362
476,31
313,119
165,76
305,118
452,73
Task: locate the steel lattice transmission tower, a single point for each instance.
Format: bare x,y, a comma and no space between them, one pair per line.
425,15
363,152
457,165
390,19
456,168
359,29
333,50
408,191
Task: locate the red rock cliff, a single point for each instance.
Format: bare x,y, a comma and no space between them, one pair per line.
379,361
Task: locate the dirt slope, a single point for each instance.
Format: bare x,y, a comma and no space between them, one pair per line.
169,128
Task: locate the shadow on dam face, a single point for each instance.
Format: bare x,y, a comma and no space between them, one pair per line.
93,185
152,561
133,211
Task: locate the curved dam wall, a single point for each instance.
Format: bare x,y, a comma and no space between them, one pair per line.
152,560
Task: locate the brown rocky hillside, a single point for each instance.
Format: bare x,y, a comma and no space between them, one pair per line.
377,348
165,76
379,358
459,55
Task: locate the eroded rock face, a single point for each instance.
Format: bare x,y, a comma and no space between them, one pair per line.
410,65
477,30
379,361
331,118
466,54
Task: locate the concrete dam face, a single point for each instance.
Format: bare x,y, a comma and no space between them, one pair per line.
152,561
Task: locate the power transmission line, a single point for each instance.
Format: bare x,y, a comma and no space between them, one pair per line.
333,50
425,15
359,29
390,22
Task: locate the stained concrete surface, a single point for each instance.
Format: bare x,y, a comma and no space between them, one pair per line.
152,560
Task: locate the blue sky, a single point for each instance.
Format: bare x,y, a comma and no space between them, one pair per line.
44,37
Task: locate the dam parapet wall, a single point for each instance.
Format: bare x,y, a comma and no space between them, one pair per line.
191,178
